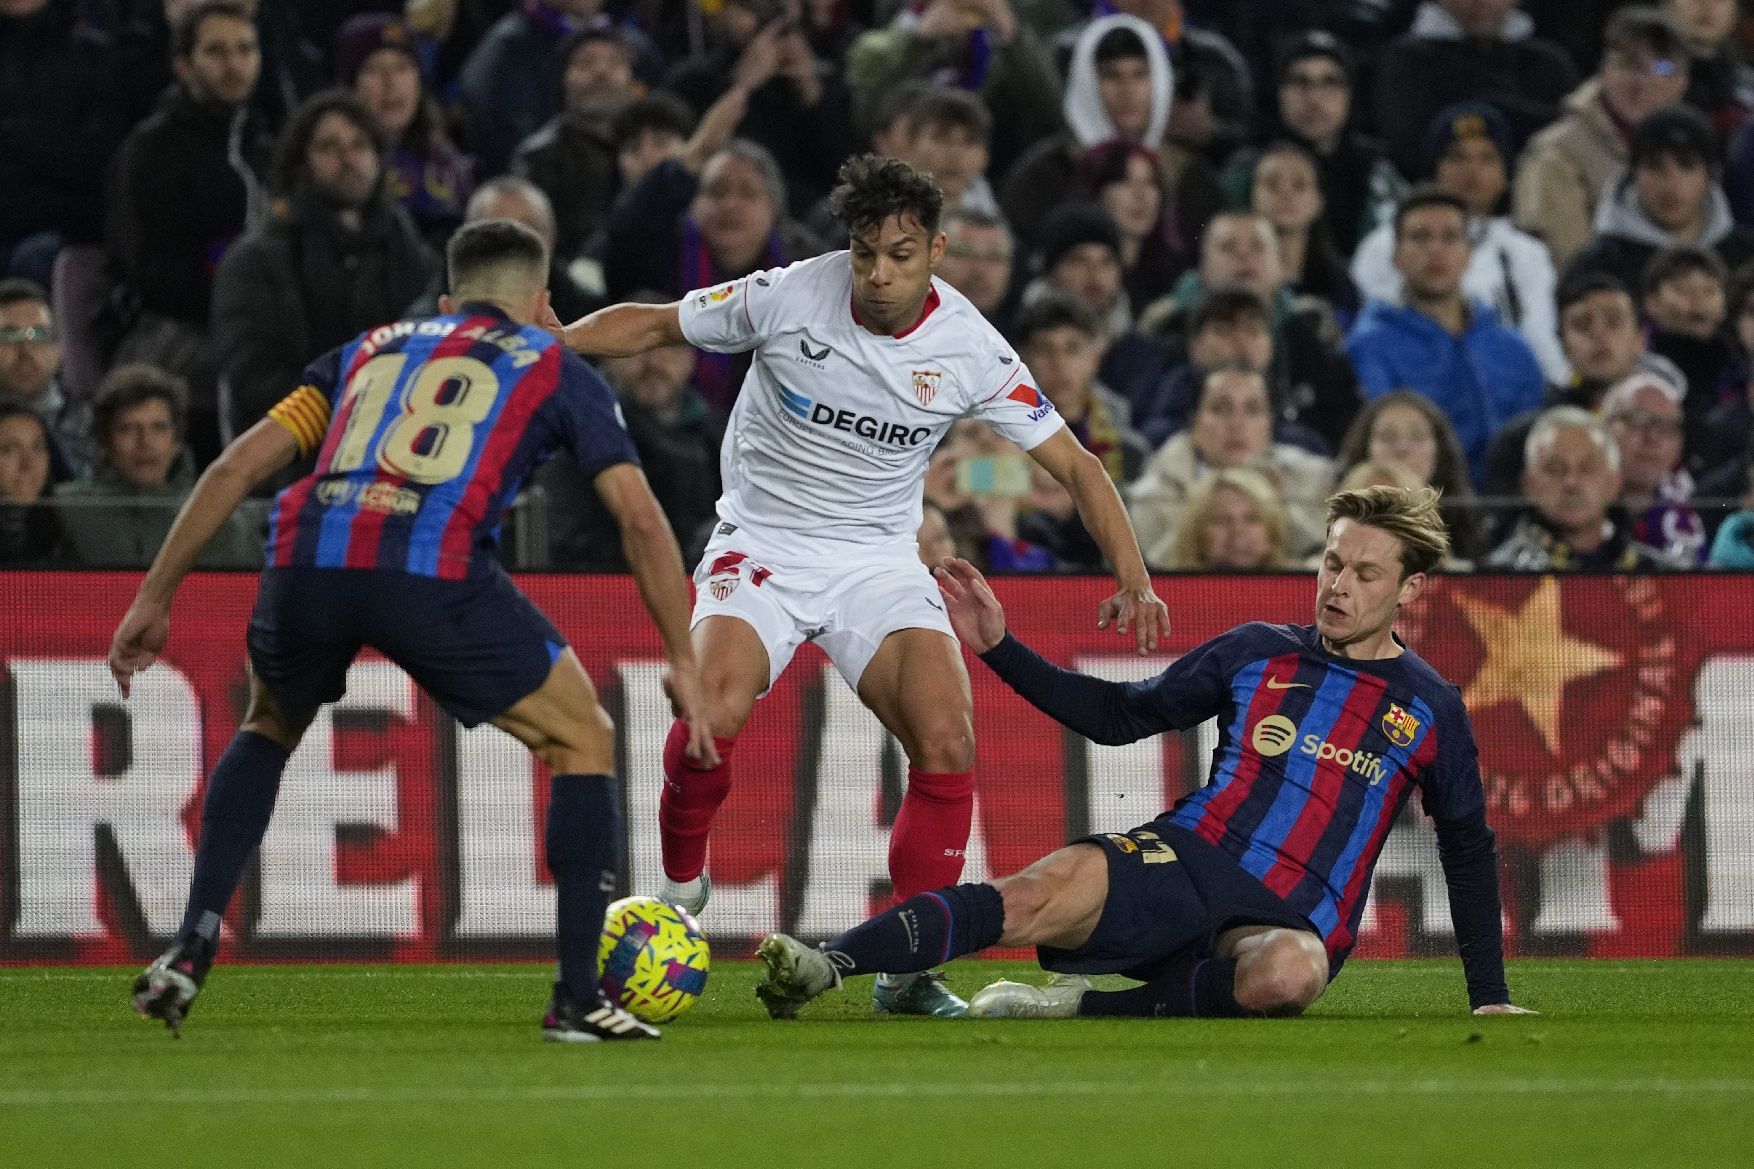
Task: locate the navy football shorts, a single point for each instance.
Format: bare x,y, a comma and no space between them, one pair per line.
477,646
1170,896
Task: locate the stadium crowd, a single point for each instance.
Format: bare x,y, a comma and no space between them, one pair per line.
1250,249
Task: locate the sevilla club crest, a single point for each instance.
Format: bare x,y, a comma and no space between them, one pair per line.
926,385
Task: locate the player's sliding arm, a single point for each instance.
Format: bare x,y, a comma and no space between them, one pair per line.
264,449
650,547
1100,710
621,330
1082,474
1469,853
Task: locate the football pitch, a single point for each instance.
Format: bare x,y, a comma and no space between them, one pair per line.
1630,1064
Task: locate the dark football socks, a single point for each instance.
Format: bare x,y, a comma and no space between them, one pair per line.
234,815
584,847
924,931
1200,987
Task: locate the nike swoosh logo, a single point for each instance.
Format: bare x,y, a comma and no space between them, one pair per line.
1275,684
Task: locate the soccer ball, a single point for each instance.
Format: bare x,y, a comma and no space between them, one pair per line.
653,958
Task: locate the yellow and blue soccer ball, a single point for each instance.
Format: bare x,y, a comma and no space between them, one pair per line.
653,958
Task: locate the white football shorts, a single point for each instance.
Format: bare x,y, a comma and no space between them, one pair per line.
846,609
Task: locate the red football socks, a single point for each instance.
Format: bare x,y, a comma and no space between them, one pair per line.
692,795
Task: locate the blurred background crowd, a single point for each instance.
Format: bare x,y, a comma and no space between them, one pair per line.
1251,249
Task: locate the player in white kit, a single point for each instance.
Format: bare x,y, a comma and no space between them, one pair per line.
862,360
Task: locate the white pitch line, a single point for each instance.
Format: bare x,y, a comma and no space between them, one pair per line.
672,1093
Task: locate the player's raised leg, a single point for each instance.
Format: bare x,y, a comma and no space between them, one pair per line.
917,687
234,816
565,726
734,670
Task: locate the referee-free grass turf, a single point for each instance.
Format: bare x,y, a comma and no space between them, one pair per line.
1630,1064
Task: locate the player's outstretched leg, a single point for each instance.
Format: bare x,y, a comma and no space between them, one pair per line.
922,932
234,816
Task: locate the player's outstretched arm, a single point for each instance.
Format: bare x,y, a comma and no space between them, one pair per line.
1468,851
650,547
1134,607
621,330
262,450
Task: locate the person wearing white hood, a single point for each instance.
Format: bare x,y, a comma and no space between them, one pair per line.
1468,153
1670,197
1119,85
1461,49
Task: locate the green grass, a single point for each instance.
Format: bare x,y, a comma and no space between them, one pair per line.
1630,1064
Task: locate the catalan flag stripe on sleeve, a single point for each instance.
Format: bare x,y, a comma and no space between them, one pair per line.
305,413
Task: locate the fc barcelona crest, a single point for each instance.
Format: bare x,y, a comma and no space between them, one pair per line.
1399,726
926,385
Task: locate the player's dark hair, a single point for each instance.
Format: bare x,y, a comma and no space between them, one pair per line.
131,384
1588,284
1119,44
1056,310
658,111
872,189
1427,195
945,106
14,289
1228,304
187,30
295,142
477,248
1410,516
1674,263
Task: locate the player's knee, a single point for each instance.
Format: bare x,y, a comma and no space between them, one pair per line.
1026,899
583,744
267,718
944,746
1285,975
729,702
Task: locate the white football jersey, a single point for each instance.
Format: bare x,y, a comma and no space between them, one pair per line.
828,443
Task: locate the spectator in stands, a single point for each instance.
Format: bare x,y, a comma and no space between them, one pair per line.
1467,49
506,90
1438,342
976,45
1228,328
511,197
949,135
800,111
1566,168
1359,185
573,156
1286,189
1120,86
979,255
1643,414
934,538
1572,479
650,130
1733,547
119,513
204,147
1599,330
1233,521
1468,154
678,441
1127,180
62,121
981,483
1080,253
1720,83
1060,339
1232,427
1684,300
30,364
335,256
1730,424
1214,95
1670,198
1407,430
378,58
687,225
30,532
1312,381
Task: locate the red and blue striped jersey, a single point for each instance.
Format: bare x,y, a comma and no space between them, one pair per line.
424,431
1316,756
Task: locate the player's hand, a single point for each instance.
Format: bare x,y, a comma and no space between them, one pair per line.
688,702
1139,610
975,613
138,640
1503,1009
